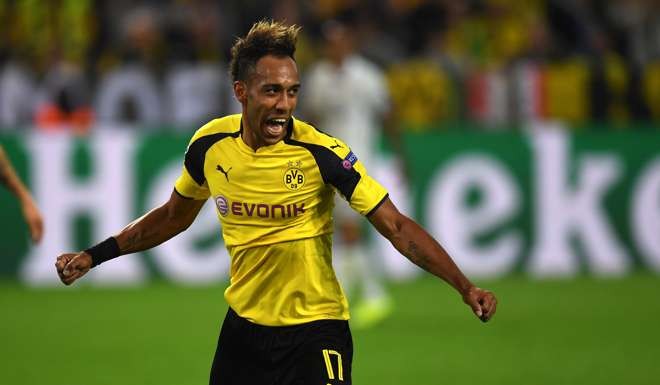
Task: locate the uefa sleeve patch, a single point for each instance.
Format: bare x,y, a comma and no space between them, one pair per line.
350,160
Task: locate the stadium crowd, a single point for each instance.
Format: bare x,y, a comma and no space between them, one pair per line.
75,64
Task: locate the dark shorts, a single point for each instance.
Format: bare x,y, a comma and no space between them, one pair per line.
314,353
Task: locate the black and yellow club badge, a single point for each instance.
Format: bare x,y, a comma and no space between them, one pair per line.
294,178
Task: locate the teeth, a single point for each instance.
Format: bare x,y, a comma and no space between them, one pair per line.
278,121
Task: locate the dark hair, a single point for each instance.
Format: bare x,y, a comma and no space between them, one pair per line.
265,38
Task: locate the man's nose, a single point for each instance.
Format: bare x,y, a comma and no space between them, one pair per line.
284,102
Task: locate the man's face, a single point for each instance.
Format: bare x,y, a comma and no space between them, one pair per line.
268,98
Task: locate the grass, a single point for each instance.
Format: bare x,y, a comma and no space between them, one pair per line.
582,331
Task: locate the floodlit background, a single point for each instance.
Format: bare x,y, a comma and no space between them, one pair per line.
522,134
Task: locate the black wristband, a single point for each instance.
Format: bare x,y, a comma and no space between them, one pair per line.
104,251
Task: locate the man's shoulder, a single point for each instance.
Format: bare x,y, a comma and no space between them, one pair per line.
228,124
309,136
307,133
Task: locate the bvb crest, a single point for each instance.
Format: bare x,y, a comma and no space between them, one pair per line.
294,178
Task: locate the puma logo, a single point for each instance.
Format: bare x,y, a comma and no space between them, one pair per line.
336,145
222,170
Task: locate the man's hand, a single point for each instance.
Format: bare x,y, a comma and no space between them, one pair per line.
34,220
71,266
482,302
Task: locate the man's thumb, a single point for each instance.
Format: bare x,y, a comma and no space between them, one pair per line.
476,307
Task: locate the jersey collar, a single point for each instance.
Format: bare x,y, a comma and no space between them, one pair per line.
265,149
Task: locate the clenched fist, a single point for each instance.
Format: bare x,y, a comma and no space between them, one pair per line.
482,302
72,266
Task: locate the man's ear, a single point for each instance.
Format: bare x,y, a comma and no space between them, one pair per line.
240,91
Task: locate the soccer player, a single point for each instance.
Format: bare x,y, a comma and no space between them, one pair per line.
273,179
30,210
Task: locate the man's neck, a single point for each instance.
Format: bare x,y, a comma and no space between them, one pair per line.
248,137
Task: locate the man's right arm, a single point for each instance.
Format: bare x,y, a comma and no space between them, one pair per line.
159,224
152,229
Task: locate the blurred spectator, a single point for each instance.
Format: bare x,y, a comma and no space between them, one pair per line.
639,22
196,81
17,95
130,93
376,39
63,99
300,12
651,88
421,94
54,37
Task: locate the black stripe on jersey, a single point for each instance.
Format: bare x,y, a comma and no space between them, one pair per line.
196,154
331,168
181,195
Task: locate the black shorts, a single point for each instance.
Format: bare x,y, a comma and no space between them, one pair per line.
314,353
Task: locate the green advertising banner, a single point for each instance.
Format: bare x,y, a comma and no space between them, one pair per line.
545,202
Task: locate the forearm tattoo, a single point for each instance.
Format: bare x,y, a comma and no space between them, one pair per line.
416,256
132,241
142,239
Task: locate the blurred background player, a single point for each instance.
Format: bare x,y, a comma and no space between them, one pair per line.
346,96
30,210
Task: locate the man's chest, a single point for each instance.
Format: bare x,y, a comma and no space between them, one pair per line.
280,185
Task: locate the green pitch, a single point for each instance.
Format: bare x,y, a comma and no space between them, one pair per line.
576,332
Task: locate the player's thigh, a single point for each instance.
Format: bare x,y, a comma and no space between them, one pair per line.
236,361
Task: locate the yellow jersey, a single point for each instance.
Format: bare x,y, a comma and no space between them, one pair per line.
275,206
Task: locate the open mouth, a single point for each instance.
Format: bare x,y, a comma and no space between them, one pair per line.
276,126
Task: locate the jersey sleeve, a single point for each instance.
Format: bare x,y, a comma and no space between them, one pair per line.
192,182
368,194
346,173
187,187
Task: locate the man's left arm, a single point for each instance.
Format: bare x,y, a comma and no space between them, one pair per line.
411,240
